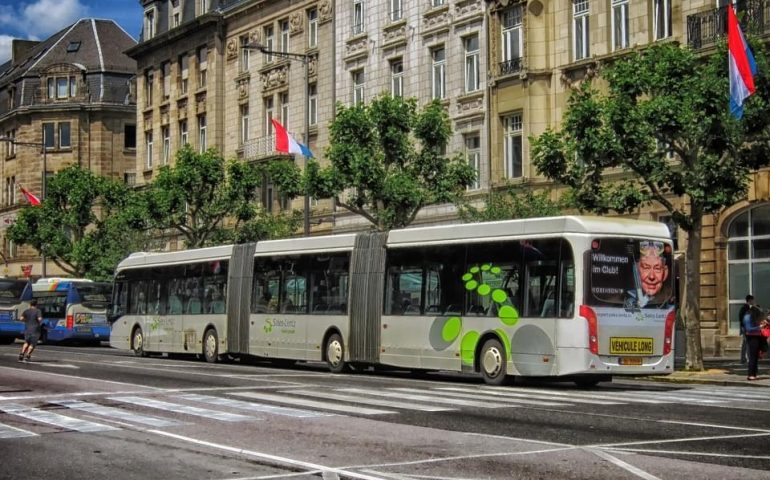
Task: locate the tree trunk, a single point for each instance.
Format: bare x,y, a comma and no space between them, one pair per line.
691,298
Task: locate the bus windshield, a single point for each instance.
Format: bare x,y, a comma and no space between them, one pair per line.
94,295
11,290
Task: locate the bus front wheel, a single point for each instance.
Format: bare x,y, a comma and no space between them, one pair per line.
492,362
335,354
137,343
211,346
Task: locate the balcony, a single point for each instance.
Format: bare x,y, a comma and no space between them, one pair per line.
510,66
262,147
706,28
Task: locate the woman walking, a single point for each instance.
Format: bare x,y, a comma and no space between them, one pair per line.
752,325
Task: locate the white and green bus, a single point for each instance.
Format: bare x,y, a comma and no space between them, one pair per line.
579,297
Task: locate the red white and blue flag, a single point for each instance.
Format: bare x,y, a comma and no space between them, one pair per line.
741,63
286,143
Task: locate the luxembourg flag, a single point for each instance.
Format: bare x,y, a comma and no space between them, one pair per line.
741,63
31,198
286,143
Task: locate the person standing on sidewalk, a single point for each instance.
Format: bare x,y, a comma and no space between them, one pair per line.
745,308
752,325
33,321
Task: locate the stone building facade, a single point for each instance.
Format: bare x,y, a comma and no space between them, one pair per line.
71,95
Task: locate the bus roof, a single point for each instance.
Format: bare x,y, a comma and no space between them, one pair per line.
141,259
57,284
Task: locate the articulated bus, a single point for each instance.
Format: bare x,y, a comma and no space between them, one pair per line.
73,309
12,304
583,298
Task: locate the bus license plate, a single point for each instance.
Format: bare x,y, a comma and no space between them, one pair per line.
632,345
630,361
83,329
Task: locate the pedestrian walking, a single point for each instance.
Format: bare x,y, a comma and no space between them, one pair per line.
744,308
753,323
33,325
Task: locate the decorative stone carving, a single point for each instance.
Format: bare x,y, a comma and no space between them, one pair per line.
243,87
435,21
470,105
312,66
255,37
395,34
232,49
295,23
467,8
275,77
325,11
357,46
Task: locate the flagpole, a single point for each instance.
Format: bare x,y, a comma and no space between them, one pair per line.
306,141
45,181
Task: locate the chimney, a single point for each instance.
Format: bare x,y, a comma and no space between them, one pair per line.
20,49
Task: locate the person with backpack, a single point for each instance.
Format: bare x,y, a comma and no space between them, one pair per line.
33,326
744,308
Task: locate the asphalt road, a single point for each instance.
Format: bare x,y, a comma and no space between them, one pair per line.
85,412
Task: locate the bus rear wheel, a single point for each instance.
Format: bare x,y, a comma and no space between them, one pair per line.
492,363
137,343
335,354
211,346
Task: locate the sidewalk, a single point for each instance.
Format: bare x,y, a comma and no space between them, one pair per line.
718,371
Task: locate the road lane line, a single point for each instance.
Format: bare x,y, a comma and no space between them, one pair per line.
423,398
255,407
712,425
528,395
28,372
516,402
625,466
311,403
372,401
55,419
601,396
186,409
699,454
7,431
679,440
118,413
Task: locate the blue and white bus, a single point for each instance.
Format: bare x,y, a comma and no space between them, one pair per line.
73,309
12,304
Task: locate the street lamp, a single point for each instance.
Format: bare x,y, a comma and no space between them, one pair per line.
305,59
13,141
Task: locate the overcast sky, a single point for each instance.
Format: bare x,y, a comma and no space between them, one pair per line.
38,19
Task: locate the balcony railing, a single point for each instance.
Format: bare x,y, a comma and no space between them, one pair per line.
262,147
706,28
510,66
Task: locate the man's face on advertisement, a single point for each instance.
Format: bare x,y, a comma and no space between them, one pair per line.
654,272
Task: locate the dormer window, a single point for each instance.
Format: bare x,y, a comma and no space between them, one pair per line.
73,47
61,87
149,23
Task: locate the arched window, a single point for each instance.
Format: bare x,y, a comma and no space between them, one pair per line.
748,260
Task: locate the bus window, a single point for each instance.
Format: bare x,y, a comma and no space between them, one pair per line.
490,268
11,290
329,284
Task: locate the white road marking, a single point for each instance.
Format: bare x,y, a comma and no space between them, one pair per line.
371,401
699,454
254,407
116,413
423,398
7,431
186,409
30,372
516,402
523,394
51,418
57,365
601,396
625,466
311,403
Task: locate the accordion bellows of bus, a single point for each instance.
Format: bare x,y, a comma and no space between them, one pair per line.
584,298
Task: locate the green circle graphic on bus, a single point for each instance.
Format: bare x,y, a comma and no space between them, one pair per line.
468,346
451,329
471,285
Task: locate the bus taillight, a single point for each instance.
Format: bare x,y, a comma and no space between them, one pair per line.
668,335
593,330
70,322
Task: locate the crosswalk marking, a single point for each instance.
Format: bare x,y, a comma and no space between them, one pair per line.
600,396
255,407
524,395
372,401
7,431
311,403
116,413
55,419
517,402
186,409
423,398
744,397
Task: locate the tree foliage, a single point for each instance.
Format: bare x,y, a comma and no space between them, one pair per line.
659,132
387,162
210,201
86,223
511,203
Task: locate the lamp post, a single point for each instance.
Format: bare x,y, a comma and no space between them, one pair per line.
305,59
13,141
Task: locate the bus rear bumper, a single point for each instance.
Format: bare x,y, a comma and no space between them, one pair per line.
80,332
11,329
582,361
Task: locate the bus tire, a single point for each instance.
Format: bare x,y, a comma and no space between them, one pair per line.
137,342
335,354
211,346
492,362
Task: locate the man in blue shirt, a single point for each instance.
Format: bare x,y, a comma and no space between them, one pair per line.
745,308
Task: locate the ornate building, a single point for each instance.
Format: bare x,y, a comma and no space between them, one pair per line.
64,100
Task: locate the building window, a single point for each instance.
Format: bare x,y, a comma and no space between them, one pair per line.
473,156
471,63
245,53
149,24
61,87
165,72
166,134
358,16
244,124
176,13
748,259
203,57
203,6
148,87
312,28
269,43
396,10
312,106
10,147
10,190
662,19
64,135
269,114
397,78
437,3
512,145
183,74
284,97
580,32
438,80
49,135
619,24
202,133
183,135
358,87
129,137
284,35
512,40
148,147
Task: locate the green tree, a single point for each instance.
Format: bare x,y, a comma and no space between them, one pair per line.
210,201
387,161
661,118
86,223
513,202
